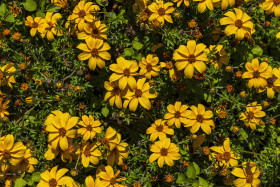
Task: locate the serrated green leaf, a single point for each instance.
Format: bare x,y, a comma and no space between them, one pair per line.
137,45
257,50
36,177
128,52
203,182
105,111
10,18
3,9
30,5
20,183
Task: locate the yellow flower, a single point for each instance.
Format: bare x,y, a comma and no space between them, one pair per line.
177,114
124,70
60,3
66,155
271,6
3,108
108,178
140,4
111,138
27,162
219,56
238,24
159,129
93,29
226,3
247,176
60,127
161,11
6,75
90,127
205,3
141,94
89,181
51,29
89,153
179,2
190,57
96,51
165,152
224,155
200,118
273,82
83,12
253,115
38,24
257,73
114,93
55,178
149,67
10,151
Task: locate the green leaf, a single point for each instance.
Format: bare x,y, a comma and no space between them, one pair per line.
137,45
30,5
128,51
53,8
250,57
207,97
243,134
139,57
181,179
203,182
257,50
105,111
197,169
41,14
20,183
191,172
36,177
3,9
10,18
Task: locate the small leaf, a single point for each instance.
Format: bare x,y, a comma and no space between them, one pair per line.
128,51
191,172
197,169
105,111
10,18
203,182
257,50
137,45
139,57
53,8
41,14
20,183
181,179
36,177
30,5
3,9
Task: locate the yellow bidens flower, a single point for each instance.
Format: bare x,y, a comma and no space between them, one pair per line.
51,29
3,108
247,176
253,115
178,114
159,129
219,57
179,2
6,75
36,24
89,153
238,24
90,127
93,29
205,3
114,93
108,178
224,155
59,126
111,138
149,67
271,6
190,57
273,82
124,70
27,162
119,152
66,155
55,178
89,182
161,11
83,12
226,3
140,94
60,3
257,73
200,118
96,51
165,152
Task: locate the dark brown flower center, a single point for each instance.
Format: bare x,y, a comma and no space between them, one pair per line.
35,25
95,32
62,132
6,154
199,118
50,26
71,149
161,11
249,179
87,151
116,91
159,128
164,152
227,156
82,14
52,182
219,157
138,93
105,141
113,181
276,2
89,128
250,115
149,67
177,114
192,58
256,74
94,52
126,72
238,23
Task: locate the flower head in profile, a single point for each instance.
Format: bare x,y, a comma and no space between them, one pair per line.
165,152
108,178
3,107
220,56
140,94
238,23
60,3
149,67
190,57
51,30
59,126
253,115
55,178
177,114
93,29
89,127
203,4
161,11
199,118
223,154
111,138
37,24
159,129
273,82
89,153
257,74
247,175
6,75
271,6
124,70
114,93
179,2
96,51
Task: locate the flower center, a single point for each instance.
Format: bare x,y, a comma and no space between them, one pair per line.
161,11
71,149
126,72
87,152
50,26
94,52
105,141
35,25
113,181
138,93
238,23
249,179
256,74
163,152
192,58
199,118
159,128
89,128
95,32
177,114
6,154
250,115
276,2
116,90
227,156
149,67
62,132
52,182
219,157
82,14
